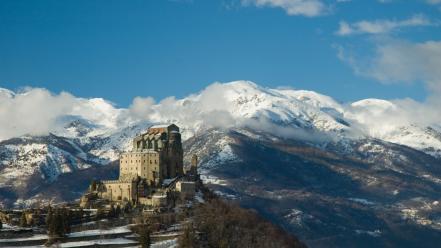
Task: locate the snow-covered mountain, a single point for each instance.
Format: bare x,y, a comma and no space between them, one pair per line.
276,150
94,131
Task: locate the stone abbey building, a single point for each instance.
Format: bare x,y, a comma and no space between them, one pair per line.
151,170
156,155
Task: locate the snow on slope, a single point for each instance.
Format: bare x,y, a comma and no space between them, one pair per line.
383,120
96,131
28,156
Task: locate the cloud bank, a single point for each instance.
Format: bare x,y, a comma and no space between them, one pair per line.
31,111
222,106
309,8
401,62
37,111
283,113
381,26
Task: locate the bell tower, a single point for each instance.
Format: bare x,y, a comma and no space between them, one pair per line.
194,165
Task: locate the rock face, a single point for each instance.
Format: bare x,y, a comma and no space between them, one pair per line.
323,170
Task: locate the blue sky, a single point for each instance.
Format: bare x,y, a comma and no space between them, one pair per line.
122,49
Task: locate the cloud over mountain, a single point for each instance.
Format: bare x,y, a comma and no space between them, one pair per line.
287,113
401,61
32,111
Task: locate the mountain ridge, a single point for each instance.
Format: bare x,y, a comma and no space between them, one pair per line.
305,161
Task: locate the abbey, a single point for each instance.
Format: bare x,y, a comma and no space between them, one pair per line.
156,155
150,171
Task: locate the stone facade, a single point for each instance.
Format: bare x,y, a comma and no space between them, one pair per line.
186,189
156,155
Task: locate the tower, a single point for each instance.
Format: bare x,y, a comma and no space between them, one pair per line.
175,155
194,165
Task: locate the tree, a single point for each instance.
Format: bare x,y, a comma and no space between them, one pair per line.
49,220
23,220
188,238
80,215
118,210
144,236
93,186
112,212
1,224
100,213
127,207
66,220
58,223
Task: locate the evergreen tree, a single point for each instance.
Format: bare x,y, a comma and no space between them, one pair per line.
66,219
49,215
93,186
1,224
58,223
112,212
144,236
127,207
49,221
188,238
23,221
100,213
118,210
80,215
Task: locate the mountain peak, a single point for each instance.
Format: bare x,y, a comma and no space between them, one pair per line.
242,84
374,103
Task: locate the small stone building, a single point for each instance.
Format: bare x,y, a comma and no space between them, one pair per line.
186,189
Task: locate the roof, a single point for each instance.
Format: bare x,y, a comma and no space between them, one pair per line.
161,126
166,182
159,196
124,178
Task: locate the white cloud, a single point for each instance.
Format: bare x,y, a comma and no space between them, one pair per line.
433,2
310,8
398,61
37,111
381,26
33,111
407,62
141,107
207,108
